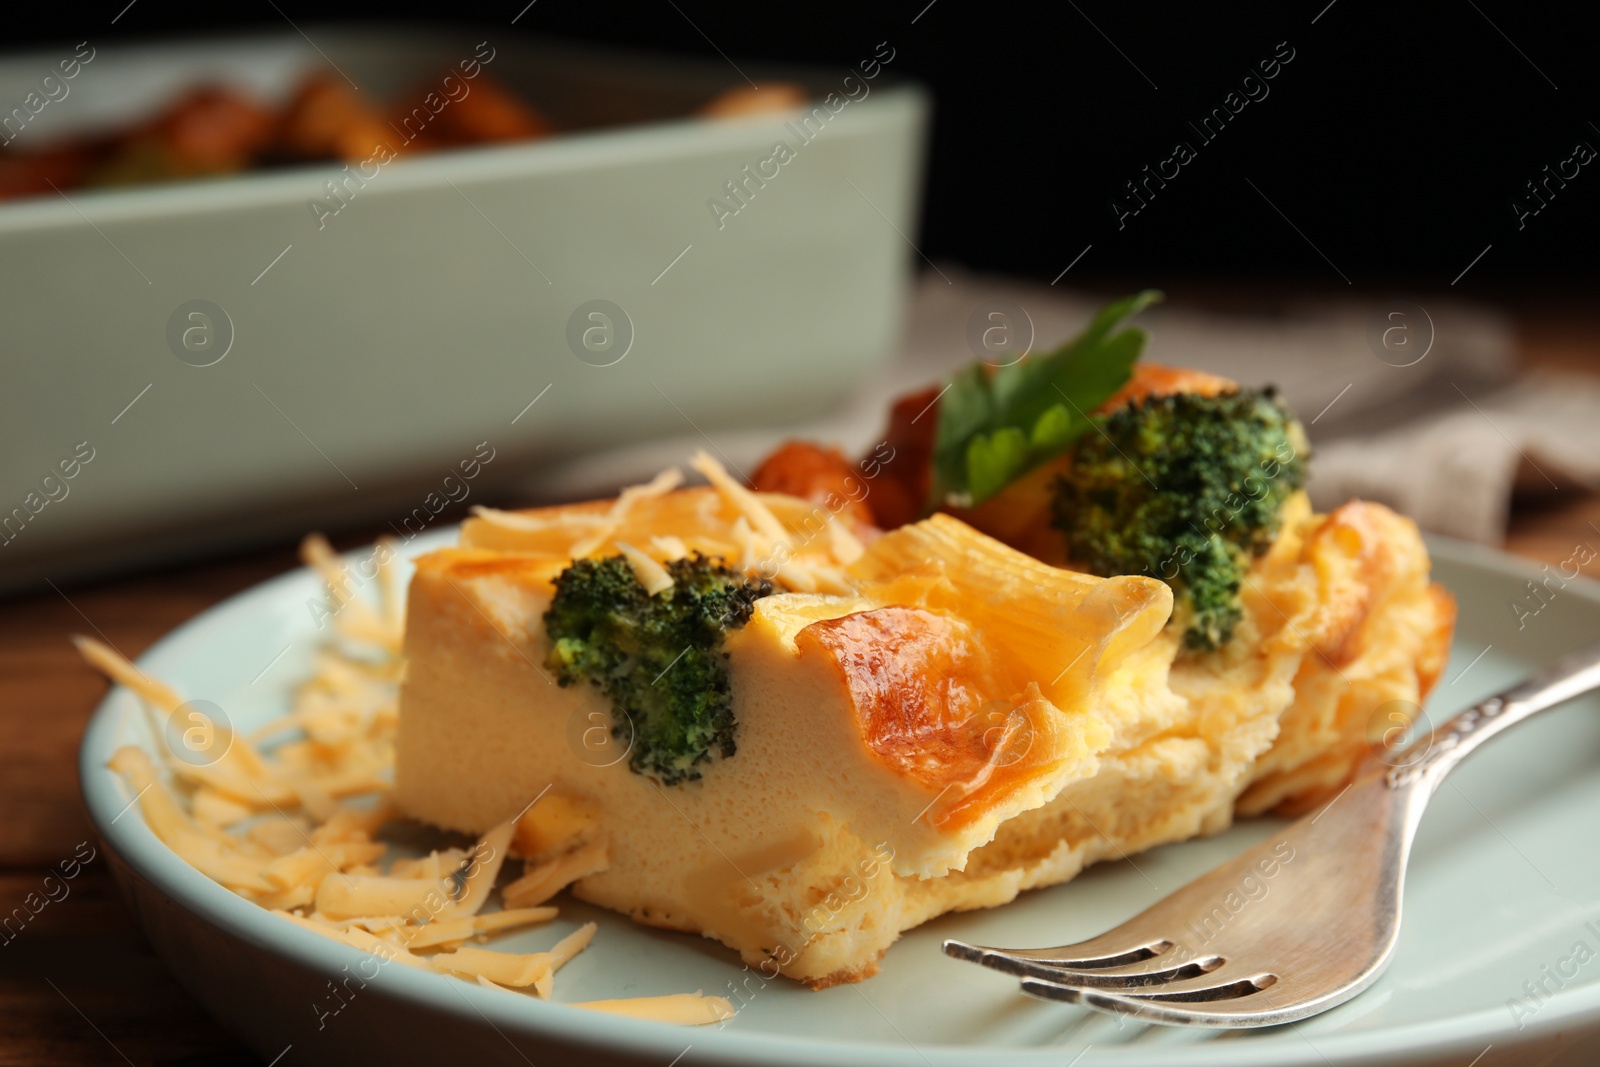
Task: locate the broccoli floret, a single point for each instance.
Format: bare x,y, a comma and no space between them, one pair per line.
659,658
1186,488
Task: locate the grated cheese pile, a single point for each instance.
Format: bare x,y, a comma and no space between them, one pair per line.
287,817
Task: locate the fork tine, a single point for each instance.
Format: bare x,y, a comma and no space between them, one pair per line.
1231,1013
1094,954
1202,988
1157,970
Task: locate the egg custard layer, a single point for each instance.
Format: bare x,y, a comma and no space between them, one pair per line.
926,720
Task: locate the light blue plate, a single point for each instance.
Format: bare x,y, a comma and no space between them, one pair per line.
1504,879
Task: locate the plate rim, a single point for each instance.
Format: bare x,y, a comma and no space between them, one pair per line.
106,796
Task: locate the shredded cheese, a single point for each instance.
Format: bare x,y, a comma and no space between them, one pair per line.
684,1009
349,896
660,485
384,950
311,865
450,933
844,546
511,917
761,517
432,866
502,968
440,933
390,595
309,858
515,969
485,865
652,575
524,523
745,538
304,855
557,823
545,880
168,821
213,808
352,617
806,552
110,663
278,834
670,547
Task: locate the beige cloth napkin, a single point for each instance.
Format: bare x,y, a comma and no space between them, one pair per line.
1441,439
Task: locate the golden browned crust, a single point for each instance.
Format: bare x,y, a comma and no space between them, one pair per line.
1326,776
846,975
1376,633
644,917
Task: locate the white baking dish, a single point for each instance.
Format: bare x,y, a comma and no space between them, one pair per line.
379,349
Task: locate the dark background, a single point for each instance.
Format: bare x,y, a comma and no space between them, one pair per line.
1395,141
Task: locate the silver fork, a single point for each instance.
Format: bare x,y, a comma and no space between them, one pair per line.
1300,923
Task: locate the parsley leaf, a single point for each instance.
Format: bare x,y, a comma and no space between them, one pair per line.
996,424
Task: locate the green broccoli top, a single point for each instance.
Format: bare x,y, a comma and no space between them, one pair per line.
1185,488
659,658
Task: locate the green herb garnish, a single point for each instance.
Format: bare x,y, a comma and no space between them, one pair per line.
996,424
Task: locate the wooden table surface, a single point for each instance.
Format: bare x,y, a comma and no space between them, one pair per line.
79,985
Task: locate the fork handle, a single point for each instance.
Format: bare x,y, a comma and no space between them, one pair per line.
1438,754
